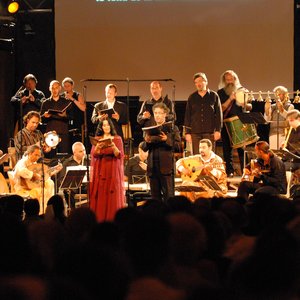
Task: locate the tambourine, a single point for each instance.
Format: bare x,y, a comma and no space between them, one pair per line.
52,139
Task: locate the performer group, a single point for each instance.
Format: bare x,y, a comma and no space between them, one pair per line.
210,117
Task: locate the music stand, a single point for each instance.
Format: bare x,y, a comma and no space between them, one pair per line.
251,118
209,182
72,181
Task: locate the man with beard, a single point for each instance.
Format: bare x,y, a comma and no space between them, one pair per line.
229,84
207,163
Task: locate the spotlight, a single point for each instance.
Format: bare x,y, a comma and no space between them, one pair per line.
13,6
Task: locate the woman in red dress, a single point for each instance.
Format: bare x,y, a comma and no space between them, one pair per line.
107,173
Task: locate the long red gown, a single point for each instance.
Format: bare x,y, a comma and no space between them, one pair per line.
107,181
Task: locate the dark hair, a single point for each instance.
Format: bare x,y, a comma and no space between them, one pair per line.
162,106
264,147
28,77
207,141
99,131
30,115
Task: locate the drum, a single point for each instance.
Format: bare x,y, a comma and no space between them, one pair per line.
240,134
241,97
52,139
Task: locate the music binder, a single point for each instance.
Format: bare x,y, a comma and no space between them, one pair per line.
107,111
57,111
157,129
94,141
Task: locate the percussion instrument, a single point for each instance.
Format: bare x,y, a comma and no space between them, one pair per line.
240,134
52,139
240,99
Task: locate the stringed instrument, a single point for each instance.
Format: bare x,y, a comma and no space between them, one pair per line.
255,167
30,184
195,167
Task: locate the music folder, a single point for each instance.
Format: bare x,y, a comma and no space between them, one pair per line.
108,111
57,111
157,129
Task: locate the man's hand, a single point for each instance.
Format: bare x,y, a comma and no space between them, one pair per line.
217,135
146,115
116,116
188,138
163,136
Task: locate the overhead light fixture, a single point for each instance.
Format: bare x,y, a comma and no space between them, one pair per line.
13,6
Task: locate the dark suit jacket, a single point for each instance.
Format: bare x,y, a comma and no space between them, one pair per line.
120,108
160,158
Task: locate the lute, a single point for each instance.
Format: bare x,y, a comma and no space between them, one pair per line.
30,184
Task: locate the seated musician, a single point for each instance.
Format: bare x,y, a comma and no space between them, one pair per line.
206,163
137,165
29,135
292,142
266,175
77,159
28,177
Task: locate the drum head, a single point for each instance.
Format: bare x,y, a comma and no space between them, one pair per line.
52,139
240,97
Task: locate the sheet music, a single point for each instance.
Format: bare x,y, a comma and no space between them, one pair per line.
79,167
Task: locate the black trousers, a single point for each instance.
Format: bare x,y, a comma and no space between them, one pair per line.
248,187
227,153
161,187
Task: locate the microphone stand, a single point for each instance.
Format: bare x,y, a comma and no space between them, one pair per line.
43,176
84,93
173,140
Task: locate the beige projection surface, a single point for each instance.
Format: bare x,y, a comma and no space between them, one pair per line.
144,40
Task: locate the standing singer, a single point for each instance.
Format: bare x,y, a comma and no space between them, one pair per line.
203,114
160,163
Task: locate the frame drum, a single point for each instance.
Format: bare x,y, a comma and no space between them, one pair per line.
240,97
51,139
240,134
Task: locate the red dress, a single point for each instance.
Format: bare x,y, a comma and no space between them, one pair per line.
107,193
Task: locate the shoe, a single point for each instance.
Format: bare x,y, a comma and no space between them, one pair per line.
231,175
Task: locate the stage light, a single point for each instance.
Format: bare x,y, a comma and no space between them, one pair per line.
13,6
